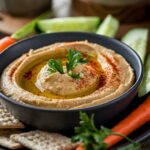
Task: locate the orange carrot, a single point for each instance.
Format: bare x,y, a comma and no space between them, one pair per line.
133,121
5,42
136,119
80,147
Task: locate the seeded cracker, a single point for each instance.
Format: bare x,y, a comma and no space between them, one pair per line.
5,140
39,140
7,120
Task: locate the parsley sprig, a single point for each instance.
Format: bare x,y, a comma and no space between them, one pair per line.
74,58
92,138
55,65
74,75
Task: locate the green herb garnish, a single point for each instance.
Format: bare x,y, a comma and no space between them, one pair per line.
55,65
74,75
74,58
92,138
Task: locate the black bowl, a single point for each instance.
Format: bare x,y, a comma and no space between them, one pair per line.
58,120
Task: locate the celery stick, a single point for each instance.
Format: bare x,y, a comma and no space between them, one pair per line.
86,24
145,85
29,28
109,26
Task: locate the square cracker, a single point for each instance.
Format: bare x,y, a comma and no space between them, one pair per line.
40,140
7,120
5,140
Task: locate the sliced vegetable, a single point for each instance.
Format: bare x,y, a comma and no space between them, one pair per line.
136,119
25,31
132,146
137,39
29,28
145,85
88,24
5,42
80,147
109,26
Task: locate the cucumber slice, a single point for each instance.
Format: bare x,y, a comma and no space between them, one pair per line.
87,24
137,39
145,85
109,26
29,28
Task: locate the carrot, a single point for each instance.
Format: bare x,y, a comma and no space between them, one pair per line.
133,121
136,119
80,147
5,42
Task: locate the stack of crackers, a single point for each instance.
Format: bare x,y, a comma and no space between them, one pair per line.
12,137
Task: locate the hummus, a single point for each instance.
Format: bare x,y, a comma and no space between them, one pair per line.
104,77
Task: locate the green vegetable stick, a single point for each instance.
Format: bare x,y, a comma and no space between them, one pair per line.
86,24
145,85
137,39
29,28
109,26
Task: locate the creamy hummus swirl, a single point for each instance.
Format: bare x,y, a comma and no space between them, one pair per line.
106,76
56,82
